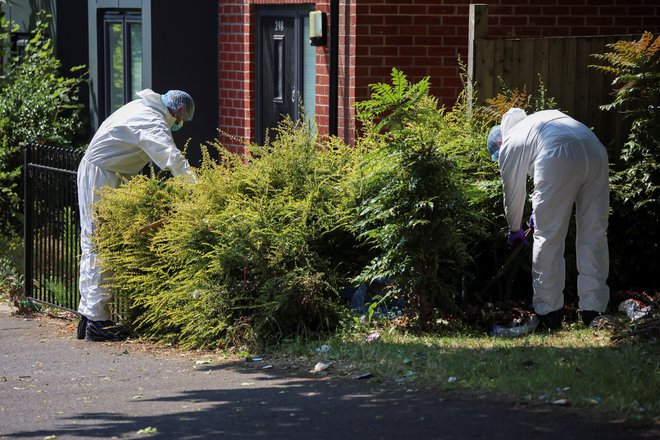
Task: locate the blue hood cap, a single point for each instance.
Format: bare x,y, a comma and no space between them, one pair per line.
494,142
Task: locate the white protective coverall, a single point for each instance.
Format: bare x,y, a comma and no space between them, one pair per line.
569,166
132,136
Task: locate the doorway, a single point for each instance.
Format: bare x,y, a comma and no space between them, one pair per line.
286,67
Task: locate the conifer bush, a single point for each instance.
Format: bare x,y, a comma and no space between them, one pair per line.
634,67
247,255
414,201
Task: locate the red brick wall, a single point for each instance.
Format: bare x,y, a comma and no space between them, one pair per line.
420,37
425,37
236,73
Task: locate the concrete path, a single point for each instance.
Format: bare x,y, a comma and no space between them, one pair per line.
53,386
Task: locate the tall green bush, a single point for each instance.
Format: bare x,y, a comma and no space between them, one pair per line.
411,206
251,253
467,127
37,105
635,171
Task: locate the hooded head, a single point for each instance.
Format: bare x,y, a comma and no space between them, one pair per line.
510,119
180,104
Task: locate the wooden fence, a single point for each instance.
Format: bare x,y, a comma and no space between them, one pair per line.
562,64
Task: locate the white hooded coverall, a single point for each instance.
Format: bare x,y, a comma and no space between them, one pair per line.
569,166
123,145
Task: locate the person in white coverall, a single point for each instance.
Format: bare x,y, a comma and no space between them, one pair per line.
569,166
138,132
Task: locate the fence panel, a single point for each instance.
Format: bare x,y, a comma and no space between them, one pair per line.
52,226
562,62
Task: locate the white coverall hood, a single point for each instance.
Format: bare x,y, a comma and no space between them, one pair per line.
510,119
153,100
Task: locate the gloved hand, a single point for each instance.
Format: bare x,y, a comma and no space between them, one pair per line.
517,236
531,221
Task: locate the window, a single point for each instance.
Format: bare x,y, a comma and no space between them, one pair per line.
122,57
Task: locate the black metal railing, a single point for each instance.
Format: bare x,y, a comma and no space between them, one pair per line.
52,225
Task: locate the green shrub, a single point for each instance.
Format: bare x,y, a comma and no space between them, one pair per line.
37,105
258,249
430,204
635,171
412,207
251,253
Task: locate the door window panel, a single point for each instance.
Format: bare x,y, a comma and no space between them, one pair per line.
279,68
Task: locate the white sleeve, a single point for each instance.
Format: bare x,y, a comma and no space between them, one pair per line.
159,145
514,163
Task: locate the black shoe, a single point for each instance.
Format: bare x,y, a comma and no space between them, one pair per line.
550,321
82,327
588,316
595,320
103,331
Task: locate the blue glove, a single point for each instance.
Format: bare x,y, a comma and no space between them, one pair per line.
518,236
531,221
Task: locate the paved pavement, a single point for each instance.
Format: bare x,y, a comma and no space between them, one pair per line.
53,386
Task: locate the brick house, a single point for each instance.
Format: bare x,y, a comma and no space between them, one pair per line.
419,37
247,61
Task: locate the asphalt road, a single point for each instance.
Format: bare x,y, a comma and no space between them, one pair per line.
53,386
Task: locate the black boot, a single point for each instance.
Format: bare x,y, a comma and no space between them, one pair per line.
550,321
588,316
103,331
596,320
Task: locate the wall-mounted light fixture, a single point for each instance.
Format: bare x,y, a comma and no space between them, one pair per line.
317,28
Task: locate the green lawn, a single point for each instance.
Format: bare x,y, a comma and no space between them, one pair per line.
576,366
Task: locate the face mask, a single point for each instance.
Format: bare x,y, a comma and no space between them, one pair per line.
176,127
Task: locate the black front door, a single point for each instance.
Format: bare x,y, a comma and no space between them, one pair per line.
279,67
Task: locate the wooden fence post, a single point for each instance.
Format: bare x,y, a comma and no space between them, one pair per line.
478,28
